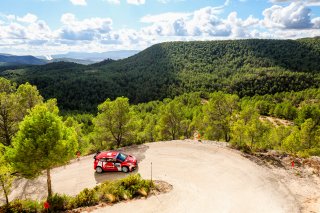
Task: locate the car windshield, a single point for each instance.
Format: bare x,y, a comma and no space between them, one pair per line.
121,157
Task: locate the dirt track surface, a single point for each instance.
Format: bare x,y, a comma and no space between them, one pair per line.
205,178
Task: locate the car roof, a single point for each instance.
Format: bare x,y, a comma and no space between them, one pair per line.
107,154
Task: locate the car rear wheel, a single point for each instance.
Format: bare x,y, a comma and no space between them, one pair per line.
125,169
99,169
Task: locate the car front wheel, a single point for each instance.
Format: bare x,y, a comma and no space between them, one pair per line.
99,169
125,169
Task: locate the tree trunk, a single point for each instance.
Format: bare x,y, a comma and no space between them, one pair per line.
118,142
226,137
49,183
5,192
251,144
7,136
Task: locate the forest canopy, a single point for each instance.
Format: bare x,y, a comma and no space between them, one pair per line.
243,67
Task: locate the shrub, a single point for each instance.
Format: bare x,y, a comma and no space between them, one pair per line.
59,202
32,206
124,189
109,191
22,206
86,197
134,183
314,151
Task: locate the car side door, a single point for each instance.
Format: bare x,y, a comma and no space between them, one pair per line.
109,166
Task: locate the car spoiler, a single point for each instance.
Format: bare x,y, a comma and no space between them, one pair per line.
97,153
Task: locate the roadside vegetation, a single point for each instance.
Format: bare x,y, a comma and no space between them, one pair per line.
109,192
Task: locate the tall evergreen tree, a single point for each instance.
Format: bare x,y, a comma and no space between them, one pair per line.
44,142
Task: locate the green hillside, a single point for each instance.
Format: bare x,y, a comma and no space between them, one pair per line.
244,67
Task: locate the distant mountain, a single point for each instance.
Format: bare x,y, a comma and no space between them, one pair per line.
78,61
97,57
8,60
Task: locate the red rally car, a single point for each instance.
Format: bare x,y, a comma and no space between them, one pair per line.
114,161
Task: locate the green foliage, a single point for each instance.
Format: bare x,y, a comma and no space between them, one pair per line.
278,135
285,110
292,143
110,191
217,114
170,120
44,141
86,197
59,202
8,118
6,86
245,67
28,96
14,105
83,142
22,206
113,120
124,189
6,178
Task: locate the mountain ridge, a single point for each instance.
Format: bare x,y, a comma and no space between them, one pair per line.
245,67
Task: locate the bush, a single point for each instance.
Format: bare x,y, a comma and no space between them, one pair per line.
314,152
109,191
87,197
124,189
22,206
133,183
32,206
242,147
59,202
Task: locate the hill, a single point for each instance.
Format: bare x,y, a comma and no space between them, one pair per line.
78,61
245,67
96,56
8,60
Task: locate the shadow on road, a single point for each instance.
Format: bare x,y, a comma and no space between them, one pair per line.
136,150
35,188
32,187
100,178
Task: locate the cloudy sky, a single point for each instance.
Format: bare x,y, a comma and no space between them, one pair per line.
45,27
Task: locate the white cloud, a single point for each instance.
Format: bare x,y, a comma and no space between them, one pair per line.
164,17
201,23
164,1
11,17
113,1
316,23
168,1
294,16
87,29
24,28
79,2
239,27
279,1
29,18
136,2
305,2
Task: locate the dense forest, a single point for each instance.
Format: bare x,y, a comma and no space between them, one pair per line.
244,122
242,67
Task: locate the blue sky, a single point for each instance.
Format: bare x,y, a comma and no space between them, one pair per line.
45,27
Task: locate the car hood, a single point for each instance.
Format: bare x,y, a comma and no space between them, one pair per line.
131,159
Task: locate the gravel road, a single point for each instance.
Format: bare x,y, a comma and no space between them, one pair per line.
205,178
